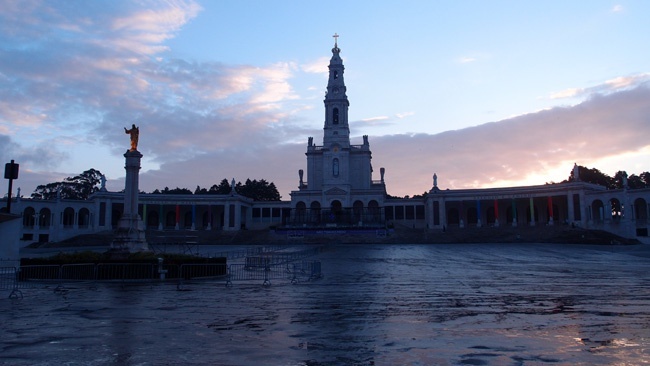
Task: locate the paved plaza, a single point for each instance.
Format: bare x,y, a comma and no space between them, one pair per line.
463,304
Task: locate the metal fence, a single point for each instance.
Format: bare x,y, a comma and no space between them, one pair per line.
57,276
265,271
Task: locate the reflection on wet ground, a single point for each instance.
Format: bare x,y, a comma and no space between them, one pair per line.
477,304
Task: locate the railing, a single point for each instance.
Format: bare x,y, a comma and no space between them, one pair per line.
55,276
265,272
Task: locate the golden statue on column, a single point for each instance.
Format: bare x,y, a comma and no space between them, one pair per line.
135,134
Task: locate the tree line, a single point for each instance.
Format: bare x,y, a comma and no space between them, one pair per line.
618,181
82,186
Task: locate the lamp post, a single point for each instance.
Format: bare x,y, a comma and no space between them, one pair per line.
11,173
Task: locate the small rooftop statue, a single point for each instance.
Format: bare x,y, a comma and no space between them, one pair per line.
135,134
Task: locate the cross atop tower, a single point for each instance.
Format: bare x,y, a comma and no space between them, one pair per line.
336,38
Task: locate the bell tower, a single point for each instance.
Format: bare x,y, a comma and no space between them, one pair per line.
336,130
339,191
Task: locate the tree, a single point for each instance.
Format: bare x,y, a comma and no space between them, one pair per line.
593,175
79,187
258,190
222,188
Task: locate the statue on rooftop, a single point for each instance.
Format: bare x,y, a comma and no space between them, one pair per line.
135,134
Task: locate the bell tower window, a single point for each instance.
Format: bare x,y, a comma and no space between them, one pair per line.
335,116
336,74
335,167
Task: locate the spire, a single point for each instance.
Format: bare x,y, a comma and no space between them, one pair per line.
336,102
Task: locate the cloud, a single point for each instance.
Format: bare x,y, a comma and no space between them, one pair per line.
504,153
466,59
510,151
318,66
617,8
609,86
95,73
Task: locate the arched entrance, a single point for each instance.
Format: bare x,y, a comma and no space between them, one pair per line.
641,210
452,217
45,218
315,215
68,217
300,214
357,211
29,217
617,210
597,211
83,218
336,211
152,219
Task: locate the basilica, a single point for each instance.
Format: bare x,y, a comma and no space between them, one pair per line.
340,191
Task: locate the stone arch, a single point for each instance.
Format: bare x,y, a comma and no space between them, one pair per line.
336,211
45,218
490,217
509,214
115,217
300,213
335,116
83,218
373,210
616,209
453,217
187,220
28,217
357,210
68,217
535,215
315,211
640,210
170,219
472,216
597,211
152,218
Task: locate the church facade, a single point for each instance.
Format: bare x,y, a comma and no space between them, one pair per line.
339,191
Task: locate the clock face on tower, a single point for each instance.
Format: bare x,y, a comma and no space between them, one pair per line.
335,90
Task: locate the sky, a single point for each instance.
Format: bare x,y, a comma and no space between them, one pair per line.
481,93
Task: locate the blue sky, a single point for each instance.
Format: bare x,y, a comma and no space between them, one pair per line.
484,94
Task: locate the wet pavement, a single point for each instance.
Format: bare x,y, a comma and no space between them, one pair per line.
469,304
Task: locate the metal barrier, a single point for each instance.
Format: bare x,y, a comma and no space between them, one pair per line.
131,272
8,282
259,265
265,272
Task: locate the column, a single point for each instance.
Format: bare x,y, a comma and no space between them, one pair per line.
514,212
237,216
478,213
496,213
443,213
571,214
550,210
130,233
226,216
532,212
